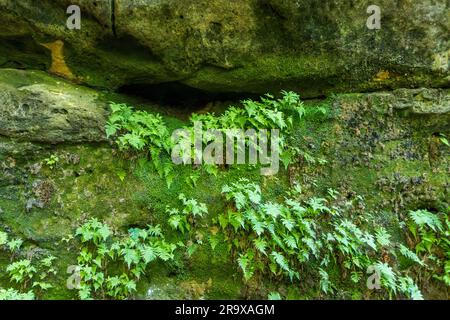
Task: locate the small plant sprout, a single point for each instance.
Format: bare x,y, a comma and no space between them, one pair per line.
52,161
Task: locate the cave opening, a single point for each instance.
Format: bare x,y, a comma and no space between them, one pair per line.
184,98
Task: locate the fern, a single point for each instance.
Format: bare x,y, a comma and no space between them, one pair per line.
14,245
3,238
281,261
388,277
268,113
410,255
383,238
409,288
424,218
274,296
290,241
245,263
12,294
261,245
192,209
142,131
284,236
318,205
131,254
325,283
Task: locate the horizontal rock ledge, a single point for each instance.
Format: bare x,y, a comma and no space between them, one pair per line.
37,107
233,46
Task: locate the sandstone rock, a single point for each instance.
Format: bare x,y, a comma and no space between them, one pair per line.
241,46
39,108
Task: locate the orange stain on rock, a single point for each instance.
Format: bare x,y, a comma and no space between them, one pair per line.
59,66
382,75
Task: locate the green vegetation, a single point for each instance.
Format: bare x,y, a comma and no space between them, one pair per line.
52,161
142,220
110,268
281,239
269,113
142,132
26,274
444,140
299,235
11,294
183,219
431,239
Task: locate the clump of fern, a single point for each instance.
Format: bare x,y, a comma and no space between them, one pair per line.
280,239
146,132
186,220
31,276
110,267
431,240
143,132
12,294
268,113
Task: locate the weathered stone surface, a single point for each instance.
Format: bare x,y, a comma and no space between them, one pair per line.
379,145
385,146
388,143
221,45
423,102
39,108
377,128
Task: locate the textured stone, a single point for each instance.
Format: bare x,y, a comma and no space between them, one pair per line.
247,45
36,107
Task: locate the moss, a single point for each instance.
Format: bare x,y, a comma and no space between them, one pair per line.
19,78
95,180
288,72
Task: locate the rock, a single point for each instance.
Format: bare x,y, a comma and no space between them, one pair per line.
233,46
35,168
36,107
19,149
406,105
33,203
387,137
423,101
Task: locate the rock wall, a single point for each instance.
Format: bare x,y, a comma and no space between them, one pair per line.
221,45
388,105
369,130
383,146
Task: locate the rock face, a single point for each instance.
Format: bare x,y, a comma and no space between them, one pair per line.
388,142
388,146
383,146
233,46
36,107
